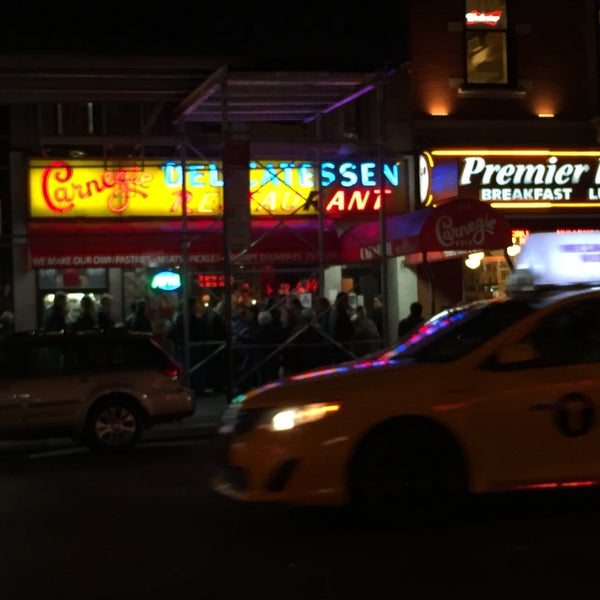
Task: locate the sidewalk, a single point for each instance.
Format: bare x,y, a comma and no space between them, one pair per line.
201,425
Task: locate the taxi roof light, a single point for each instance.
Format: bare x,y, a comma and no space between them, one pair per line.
520,280
556,259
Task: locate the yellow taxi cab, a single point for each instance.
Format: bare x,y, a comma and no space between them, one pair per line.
491,396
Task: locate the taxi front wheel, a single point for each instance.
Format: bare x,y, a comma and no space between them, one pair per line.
407,473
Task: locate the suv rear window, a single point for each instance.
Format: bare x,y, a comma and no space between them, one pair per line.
124,352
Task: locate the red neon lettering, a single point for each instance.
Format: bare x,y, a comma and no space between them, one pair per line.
61,172
179,200
205,204
122,184
369,200
307,285
312,284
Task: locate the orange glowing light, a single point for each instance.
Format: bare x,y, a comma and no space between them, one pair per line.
528,205
552,485
519,236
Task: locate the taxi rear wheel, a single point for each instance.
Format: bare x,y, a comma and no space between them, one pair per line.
407,474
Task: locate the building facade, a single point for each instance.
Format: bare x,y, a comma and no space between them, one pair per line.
505,99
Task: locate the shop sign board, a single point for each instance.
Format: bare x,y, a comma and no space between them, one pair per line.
512,179
462,225
70,189
65,244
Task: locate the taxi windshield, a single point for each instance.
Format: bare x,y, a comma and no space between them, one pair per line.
455,332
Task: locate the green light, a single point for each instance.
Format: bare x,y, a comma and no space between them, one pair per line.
167,281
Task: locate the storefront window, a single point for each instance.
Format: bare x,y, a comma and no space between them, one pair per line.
487,279
486,28
64,279
73,305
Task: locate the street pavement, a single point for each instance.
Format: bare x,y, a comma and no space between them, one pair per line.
201,425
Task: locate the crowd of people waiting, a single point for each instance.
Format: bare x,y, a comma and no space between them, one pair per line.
275,338
271,339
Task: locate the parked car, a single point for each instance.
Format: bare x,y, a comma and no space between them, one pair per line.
492,396
103,389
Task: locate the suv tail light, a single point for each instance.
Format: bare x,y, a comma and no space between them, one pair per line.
172,369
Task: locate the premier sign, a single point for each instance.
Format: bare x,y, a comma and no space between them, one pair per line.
531,181
519,179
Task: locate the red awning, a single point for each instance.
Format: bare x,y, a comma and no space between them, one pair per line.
152,243
459,226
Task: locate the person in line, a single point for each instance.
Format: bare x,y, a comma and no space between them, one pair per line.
341,328
308,349
131,315
105,319
216,332
413,320
55,316
322,309
197,328
87,319
290,314
175,331
366,338
267,337
243,319
377,314
138,320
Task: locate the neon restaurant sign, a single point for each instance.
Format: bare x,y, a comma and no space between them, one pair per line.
489,18
92,189
512,179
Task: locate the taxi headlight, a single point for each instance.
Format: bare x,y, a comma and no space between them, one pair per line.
288,418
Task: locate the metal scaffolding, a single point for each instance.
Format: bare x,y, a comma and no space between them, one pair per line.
227,98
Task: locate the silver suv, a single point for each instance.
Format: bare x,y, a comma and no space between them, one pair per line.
103,389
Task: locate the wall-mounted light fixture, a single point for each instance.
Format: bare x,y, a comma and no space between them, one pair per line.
546,115
474,260
438,106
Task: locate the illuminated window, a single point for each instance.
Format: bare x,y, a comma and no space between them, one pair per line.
486,31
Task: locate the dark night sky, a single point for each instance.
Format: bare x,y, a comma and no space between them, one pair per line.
281,35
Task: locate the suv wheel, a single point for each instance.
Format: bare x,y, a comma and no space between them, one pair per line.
113,425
